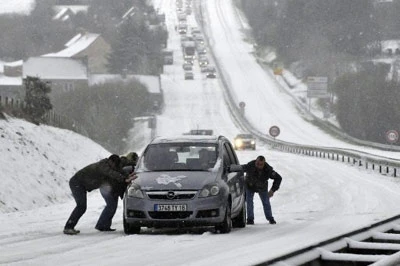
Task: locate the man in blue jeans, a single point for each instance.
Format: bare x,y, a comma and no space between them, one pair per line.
89,178
113,189
257,174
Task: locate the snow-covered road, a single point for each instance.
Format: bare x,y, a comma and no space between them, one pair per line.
318,199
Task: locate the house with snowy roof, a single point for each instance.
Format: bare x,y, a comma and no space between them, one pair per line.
11,89
64,74
88,46
11,86
66,12
13,69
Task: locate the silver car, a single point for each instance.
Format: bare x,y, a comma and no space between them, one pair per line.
189,75
185,182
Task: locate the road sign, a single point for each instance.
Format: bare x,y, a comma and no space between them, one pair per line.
278,71
317,87
274,131
392,136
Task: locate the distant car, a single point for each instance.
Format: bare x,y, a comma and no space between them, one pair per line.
211,72
189,75
189,61
203,69
187,67
203,61
195,31
244,141
186,38
199,39
186,181
201,50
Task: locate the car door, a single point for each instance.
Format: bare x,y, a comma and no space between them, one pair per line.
233,178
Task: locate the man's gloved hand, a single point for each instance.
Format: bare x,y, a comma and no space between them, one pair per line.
131,177
271,193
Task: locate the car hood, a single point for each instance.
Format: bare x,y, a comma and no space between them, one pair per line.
173,180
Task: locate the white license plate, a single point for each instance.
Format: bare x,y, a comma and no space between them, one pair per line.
170,207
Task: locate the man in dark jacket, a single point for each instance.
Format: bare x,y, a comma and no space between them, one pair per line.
87,179
127,165
113,189
257,174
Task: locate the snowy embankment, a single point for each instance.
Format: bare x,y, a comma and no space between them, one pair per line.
38,161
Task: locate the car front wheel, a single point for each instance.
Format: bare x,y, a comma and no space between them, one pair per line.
226,226
130,229
240,220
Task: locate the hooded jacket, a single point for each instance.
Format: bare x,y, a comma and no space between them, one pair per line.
95,175
257,181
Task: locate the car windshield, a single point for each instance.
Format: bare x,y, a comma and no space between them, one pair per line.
245,136
178,157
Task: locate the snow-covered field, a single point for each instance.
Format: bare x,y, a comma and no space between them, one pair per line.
16,6
318,198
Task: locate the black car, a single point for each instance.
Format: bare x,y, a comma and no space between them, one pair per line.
186,181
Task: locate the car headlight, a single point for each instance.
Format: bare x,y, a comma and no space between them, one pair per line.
209,191
253,142
135,192
238,142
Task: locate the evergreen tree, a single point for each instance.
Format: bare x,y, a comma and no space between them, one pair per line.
367,103
36,98
137,49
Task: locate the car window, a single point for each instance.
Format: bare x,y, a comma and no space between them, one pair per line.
245,136
178,157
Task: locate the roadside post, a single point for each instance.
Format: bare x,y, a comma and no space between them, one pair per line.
242,105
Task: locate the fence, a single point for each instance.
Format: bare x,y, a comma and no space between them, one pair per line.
51,118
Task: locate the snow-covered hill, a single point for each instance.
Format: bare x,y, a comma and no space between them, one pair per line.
37,161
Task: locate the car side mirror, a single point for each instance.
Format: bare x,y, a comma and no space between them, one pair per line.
235,168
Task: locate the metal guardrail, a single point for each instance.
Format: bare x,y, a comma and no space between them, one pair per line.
384,165
378,243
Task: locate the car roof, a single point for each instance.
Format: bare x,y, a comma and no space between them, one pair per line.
187,138
244,135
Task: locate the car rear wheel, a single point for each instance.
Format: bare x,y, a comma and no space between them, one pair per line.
226,226
240,220
130,229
